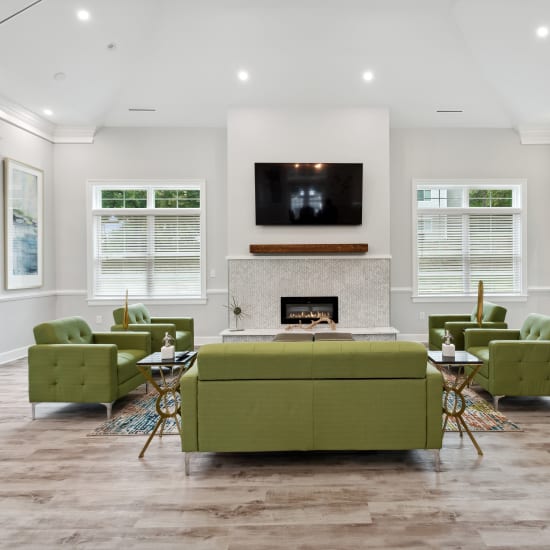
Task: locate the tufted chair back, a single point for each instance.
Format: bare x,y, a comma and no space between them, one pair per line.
492,313
137,314
70,330
535,327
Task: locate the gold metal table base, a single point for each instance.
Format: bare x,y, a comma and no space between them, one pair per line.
168,402
458,406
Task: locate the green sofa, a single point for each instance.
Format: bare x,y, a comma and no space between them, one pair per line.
515,362
308,396
70,364
180,328
493,317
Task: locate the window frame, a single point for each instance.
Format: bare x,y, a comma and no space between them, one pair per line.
483,183
94,188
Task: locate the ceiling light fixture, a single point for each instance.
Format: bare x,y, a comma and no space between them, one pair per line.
83,15
368,76
449,111
542,32
47,112
243,76
142,110
59,76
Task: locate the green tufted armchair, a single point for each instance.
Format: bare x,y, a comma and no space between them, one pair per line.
515,362
70,364
493,317
180,328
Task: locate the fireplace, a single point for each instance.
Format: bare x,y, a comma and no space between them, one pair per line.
305,309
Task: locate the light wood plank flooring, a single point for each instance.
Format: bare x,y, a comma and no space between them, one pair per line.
62,488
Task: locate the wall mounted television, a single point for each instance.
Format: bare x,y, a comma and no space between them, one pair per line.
293,193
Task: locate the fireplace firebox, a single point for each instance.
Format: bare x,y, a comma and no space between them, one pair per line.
296,310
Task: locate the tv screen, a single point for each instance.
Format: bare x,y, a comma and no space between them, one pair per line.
308,194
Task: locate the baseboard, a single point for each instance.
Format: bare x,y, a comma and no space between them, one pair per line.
13,354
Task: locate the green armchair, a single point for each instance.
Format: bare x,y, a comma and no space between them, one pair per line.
70,364
180,328
493,317
515,362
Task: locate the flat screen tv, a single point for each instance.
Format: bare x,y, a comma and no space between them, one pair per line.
308,193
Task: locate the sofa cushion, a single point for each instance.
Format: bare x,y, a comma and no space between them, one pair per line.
126,363
535,327
339,360
69,330
482,353
255,361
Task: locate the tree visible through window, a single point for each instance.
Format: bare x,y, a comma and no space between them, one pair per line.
148,239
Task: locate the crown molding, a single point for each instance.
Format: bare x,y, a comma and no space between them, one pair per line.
18,116
531,135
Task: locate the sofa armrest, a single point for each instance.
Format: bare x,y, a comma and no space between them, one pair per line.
438,321
434,391
457,329
189,411
157,332
181,323
480,337
73,372
125,340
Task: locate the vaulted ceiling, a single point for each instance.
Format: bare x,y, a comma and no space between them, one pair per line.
180,58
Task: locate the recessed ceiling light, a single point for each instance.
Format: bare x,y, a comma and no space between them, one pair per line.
47,112
368,76
542,32
59,76
83,15
243,76
142,109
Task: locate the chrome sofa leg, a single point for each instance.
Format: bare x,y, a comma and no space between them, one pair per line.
187,459
109,407
496,399
33,410
437,460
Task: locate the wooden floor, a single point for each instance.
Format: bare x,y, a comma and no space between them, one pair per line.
61,488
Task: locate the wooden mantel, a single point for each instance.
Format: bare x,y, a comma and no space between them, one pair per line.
353,248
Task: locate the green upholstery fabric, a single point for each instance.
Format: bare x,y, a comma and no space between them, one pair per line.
278,396
180,328
69,363
493,317
514,362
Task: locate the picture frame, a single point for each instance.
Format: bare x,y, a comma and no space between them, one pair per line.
23,212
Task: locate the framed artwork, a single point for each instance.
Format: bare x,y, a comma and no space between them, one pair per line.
22,225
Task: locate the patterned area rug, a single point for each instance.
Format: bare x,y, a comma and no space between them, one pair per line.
139,418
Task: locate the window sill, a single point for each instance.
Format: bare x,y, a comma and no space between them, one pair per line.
146,301
470,299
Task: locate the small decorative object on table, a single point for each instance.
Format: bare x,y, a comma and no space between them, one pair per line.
237,311
168,349
448,349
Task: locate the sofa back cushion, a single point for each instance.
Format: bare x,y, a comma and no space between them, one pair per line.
137,314
311,360
69,330
492,313
535,327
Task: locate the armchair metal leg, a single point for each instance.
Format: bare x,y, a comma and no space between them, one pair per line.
33,410
496,399
109,407
187,460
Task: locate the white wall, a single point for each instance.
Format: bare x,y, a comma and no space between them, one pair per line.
311,135
144,153
466,153
20,310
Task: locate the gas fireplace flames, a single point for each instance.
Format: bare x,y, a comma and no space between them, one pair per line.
309,315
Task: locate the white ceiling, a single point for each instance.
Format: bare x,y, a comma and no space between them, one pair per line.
181,58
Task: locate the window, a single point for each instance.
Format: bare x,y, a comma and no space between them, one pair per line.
147,238
468,231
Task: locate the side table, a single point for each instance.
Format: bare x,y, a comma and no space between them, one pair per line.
455,407
168,403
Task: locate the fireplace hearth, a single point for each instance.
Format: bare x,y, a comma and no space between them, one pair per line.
297,310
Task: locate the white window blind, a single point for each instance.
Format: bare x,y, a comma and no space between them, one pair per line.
153,252
467,233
